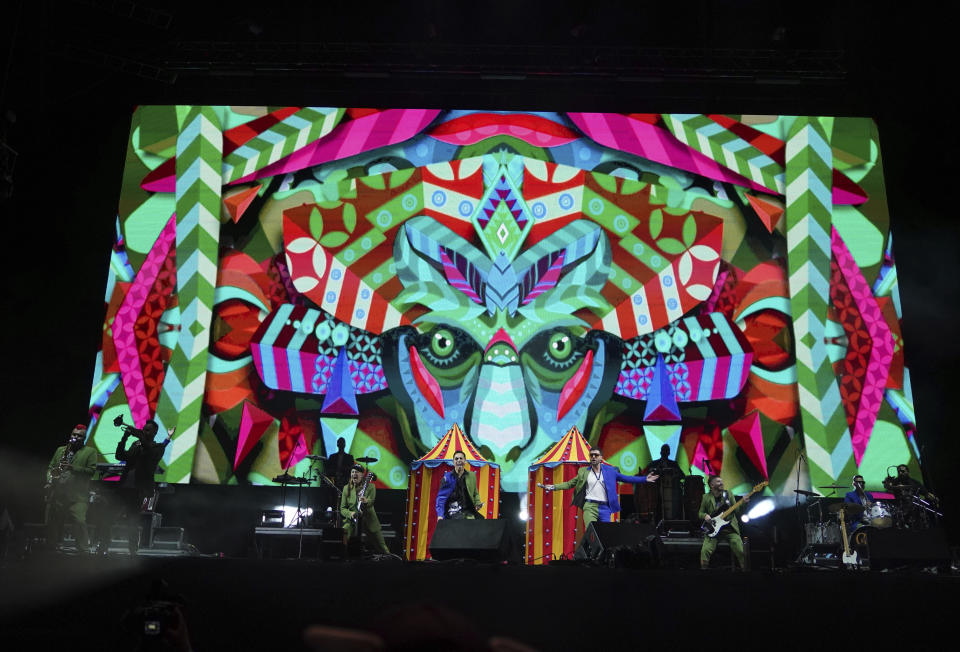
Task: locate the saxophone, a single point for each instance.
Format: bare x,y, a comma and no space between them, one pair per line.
59,474
358,512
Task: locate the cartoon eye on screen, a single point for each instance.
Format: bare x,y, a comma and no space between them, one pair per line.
720,284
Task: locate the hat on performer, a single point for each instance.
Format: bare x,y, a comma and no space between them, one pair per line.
79,428
357,468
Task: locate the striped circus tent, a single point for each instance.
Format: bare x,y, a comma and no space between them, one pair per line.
553,524
426,474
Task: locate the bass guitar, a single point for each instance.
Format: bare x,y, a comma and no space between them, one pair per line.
712,527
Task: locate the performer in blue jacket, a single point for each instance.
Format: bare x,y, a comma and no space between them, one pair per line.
596,488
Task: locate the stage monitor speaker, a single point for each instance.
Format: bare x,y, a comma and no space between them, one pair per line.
891,548
602,542
483,540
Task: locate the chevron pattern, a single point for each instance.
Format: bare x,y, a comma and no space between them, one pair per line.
809,216
726,148
199,160
282,139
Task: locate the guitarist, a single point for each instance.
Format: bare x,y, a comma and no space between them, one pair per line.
366,519
715,502
68,484
458,496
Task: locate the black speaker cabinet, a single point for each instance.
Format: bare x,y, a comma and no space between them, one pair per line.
891,548
601,541
483,540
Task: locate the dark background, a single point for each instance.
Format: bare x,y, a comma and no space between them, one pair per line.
72,72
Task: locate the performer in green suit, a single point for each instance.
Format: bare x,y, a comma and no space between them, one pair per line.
368,520
715,501
68,487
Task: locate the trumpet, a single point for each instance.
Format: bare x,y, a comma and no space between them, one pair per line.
127,428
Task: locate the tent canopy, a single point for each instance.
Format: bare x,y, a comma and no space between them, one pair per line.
449,444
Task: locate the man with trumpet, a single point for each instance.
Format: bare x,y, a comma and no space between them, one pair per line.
68,488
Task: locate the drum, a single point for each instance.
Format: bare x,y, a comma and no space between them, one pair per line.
878,516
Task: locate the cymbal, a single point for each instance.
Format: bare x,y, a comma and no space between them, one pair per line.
317,458
802,492
850,509
833,486
366,460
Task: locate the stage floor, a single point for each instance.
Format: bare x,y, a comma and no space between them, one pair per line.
47,601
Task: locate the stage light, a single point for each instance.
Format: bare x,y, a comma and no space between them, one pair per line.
759,510
523,515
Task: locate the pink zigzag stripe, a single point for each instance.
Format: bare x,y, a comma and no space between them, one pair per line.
638,137
357,136
456,278
124,338
881,349
548,280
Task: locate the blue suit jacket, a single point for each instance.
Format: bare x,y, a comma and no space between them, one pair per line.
611,475
854,497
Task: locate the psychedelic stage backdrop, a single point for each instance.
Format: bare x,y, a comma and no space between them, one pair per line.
724,284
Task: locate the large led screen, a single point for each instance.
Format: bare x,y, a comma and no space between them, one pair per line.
724,284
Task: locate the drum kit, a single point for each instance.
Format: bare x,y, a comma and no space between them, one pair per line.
311,476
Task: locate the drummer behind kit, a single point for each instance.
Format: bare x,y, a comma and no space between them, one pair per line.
912,508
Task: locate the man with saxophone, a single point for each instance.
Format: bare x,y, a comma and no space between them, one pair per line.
356,507
68,489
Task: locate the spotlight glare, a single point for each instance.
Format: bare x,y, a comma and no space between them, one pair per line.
761,509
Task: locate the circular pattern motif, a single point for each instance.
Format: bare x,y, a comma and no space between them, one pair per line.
384,219
655,260
667,281
465,208
642,320
398,476
621,224
638,299
662,342
366,243
409,202
341,334
360,314
439,198
365,294
680,338
336,274
322,331
672,303
566,201
628,461
539,209
331,297
595,206
638,249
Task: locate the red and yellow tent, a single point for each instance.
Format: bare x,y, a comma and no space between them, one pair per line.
426,474
553,524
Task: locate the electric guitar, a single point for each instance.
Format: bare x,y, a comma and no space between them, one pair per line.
850,558
712,527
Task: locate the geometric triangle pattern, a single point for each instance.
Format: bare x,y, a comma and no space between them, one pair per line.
746,432
332,429
253,423
341,398
661,401
658,435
